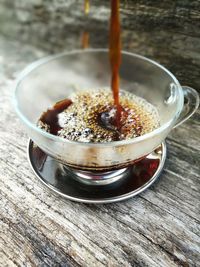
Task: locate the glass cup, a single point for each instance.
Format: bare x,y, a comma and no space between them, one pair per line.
54,78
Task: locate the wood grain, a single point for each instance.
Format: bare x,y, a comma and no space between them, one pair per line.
158,228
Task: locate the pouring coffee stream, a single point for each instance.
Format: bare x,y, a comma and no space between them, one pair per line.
110,119
114,48
115,123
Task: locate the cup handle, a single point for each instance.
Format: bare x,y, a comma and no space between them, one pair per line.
191,103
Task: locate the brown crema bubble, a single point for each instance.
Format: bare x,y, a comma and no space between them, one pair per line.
91,116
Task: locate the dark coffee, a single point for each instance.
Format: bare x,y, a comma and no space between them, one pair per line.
90,116
49,119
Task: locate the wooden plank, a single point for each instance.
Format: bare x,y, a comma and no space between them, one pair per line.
158,228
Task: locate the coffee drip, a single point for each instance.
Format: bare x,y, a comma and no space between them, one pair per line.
115,119
85,35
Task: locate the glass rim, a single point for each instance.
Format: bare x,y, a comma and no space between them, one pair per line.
31,67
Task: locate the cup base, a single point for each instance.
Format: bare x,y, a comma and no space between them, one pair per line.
97,178
86,186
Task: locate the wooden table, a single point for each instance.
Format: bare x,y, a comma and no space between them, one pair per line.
160,227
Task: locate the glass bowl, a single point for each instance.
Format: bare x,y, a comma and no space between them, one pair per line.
54,78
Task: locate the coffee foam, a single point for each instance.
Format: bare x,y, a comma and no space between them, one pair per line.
79,121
